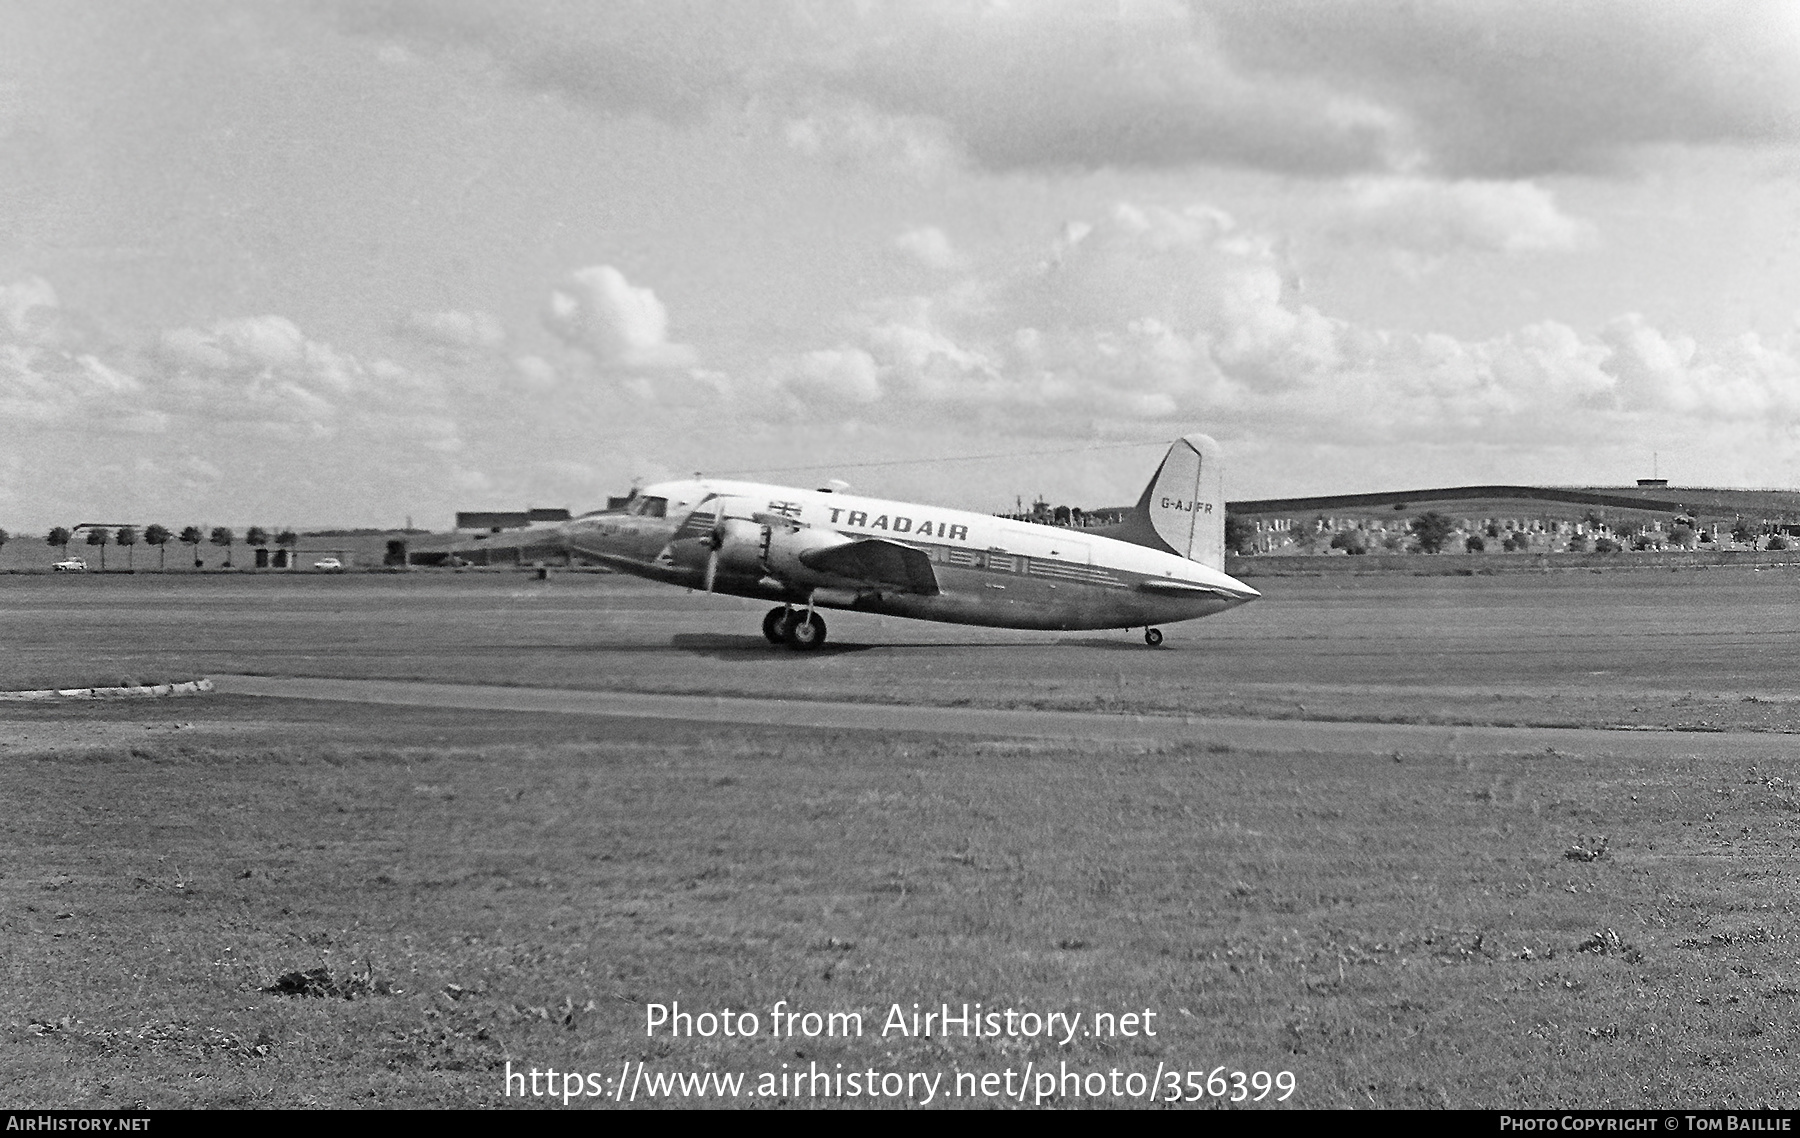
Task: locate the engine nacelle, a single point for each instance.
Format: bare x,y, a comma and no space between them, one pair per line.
741,546
786,546
739,542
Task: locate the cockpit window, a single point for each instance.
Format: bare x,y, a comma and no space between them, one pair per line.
651,507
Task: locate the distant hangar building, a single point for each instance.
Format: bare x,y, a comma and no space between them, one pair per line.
498,521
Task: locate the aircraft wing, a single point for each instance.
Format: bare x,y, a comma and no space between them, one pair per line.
877,562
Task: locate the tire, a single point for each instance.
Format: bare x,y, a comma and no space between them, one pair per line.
773,625
1153,637
806,634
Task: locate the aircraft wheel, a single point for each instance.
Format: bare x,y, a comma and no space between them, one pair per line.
1153,637
773,624
805,634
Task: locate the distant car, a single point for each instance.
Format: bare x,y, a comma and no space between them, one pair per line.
328,563
72,565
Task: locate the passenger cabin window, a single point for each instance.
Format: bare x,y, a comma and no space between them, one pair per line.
651,507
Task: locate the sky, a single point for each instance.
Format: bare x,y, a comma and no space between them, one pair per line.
315,263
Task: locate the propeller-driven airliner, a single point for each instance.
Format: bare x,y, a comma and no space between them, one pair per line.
807,550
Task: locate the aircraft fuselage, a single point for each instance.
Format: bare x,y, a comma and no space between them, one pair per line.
983,570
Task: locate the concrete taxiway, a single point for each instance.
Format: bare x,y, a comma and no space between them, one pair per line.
1238,733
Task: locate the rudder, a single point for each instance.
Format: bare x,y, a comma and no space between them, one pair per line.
1182,510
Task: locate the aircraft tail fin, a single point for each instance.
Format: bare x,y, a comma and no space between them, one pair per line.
1182,510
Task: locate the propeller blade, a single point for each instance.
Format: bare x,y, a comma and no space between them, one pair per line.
712,568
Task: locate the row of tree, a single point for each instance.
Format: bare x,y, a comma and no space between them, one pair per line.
159,536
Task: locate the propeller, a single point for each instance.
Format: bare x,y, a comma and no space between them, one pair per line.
715,539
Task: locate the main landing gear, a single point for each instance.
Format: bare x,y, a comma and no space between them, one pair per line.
1153,637
800,630
774,624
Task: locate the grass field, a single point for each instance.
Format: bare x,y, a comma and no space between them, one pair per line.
1496,927
1402,931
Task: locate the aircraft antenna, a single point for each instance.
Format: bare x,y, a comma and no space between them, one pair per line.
932,461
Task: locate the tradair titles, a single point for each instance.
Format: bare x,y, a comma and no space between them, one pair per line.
898,523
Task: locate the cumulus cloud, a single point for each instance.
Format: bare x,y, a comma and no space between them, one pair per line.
267,374
251,344
1741,380
197,473
27,308
56,388
856,135
290,424
259,369
931,247
536,372
601,313
465,330
1175,318
834,376
49,377
1437,218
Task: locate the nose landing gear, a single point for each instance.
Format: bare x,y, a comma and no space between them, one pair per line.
800,630
1153,637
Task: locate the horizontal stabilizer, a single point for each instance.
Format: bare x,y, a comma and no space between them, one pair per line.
876,562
